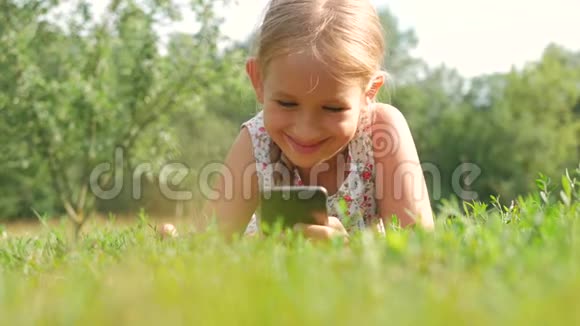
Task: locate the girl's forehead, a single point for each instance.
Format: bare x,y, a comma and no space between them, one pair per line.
301,74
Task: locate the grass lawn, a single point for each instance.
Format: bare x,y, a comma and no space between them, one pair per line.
483,265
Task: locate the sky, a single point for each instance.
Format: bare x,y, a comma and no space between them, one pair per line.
474,36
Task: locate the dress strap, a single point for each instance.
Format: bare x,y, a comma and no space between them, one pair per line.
261,144
360,148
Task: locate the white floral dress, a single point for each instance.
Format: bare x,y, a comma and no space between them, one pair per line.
354,203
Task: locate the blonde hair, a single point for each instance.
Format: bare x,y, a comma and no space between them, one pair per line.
345,35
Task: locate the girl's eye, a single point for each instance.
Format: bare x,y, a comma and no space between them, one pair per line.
287,104
333,109
294,104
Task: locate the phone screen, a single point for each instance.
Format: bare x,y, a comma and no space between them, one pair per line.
289,205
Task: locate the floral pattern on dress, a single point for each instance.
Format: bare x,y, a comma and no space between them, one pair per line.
354,202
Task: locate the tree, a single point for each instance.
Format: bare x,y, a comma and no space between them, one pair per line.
78,92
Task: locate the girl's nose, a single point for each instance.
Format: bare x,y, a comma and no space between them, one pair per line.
307,127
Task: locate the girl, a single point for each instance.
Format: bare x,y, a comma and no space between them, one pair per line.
316,72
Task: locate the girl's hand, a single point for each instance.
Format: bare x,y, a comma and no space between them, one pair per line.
167,231
331,228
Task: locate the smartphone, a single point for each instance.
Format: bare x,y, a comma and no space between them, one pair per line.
288,205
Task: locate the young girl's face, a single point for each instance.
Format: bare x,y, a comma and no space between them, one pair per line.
309,114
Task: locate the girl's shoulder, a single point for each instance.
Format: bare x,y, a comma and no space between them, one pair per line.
386,114
390,133
392,140
255,124
388,124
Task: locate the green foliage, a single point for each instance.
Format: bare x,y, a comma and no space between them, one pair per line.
75,93
511,126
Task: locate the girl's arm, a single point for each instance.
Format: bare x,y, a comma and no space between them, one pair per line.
400,184
236,188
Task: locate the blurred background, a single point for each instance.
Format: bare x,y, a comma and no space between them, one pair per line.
154,87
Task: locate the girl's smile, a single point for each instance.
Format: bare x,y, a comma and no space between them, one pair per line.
304,147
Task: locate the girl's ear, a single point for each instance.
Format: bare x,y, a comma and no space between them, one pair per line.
255,76
374,86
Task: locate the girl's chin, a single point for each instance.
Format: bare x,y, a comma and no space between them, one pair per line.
307,162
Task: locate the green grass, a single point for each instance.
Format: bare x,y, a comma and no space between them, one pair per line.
483,265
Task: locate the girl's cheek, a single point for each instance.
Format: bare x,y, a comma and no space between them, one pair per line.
274,124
